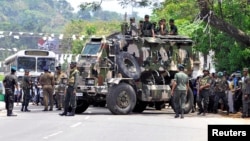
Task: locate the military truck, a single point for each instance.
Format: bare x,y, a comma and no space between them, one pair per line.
129,73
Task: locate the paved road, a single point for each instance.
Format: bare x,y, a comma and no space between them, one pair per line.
98,124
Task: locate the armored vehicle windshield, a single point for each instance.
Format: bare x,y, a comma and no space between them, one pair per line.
91,49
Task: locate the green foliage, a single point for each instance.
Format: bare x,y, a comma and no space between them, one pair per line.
1,77
229,55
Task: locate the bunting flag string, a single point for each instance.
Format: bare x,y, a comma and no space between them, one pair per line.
18,35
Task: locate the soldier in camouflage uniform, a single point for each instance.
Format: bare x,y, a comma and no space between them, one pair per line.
10,83
47,81
245,93
26,87
59,90
203,96
220,88
70,98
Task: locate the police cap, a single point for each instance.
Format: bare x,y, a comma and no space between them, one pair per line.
13,69
46,68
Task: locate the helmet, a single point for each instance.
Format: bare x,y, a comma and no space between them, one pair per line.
220,74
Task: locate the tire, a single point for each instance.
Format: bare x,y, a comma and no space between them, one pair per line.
121,99
188,104
126,62
82,106
140,107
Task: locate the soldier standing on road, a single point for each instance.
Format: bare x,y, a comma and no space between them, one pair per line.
47,82
203,95
26,87
245,93
70,98
59,96
220,87
10,83
179,91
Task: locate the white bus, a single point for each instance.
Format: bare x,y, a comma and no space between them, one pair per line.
33,60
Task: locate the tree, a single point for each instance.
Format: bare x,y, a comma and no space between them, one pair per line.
239,35
205,9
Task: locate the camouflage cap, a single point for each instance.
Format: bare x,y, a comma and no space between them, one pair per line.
245,69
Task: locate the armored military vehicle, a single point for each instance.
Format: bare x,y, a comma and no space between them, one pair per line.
129,73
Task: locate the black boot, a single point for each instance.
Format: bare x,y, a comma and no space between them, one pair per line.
22,108
200,112
182,113
72,113
64,113
26,109
9,113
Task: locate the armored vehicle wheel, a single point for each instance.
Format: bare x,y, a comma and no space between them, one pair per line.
128,65
82,105
140,107
121,99
188,104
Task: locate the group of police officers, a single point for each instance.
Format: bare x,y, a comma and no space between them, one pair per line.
64,86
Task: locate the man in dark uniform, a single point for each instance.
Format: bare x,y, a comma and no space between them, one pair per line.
245,88
10,83
173,27
179,91
203,96
26,87
47,81
220,88
70,98
147,28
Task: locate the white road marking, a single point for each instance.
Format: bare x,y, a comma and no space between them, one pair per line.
87,117
54,134
77,124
